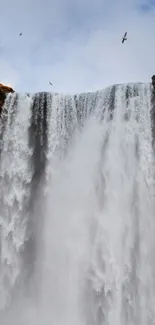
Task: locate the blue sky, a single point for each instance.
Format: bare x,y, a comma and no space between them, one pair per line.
76,44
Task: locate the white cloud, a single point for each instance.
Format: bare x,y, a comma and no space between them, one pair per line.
75,44
9,75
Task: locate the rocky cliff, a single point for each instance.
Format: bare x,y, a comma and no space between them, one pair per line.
4,90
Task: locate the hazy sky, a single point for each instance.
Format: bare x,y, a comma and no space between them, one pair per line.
76,44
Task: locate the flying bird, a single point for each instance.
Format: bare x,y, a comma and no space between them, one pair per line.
50,83
124,38
20,34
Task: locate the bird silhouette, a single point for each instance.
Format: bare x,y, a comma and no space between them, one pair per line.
124,38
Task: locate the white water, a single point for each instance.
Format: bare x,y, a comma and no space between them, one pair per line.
15,175
96,262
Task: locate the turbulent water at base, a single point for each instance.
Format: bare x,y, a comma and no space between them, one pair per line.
77,208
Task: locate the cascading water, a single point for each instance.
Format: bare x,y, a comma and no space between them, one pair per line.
77,202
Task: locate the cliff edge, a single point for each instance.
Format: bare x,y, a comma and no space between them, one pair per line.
4,90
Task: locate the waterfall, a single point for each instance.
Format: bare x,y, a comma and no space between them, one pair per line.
77,202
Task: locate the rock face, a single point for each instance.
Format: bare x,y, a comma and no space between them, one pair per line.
153,81
4,90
